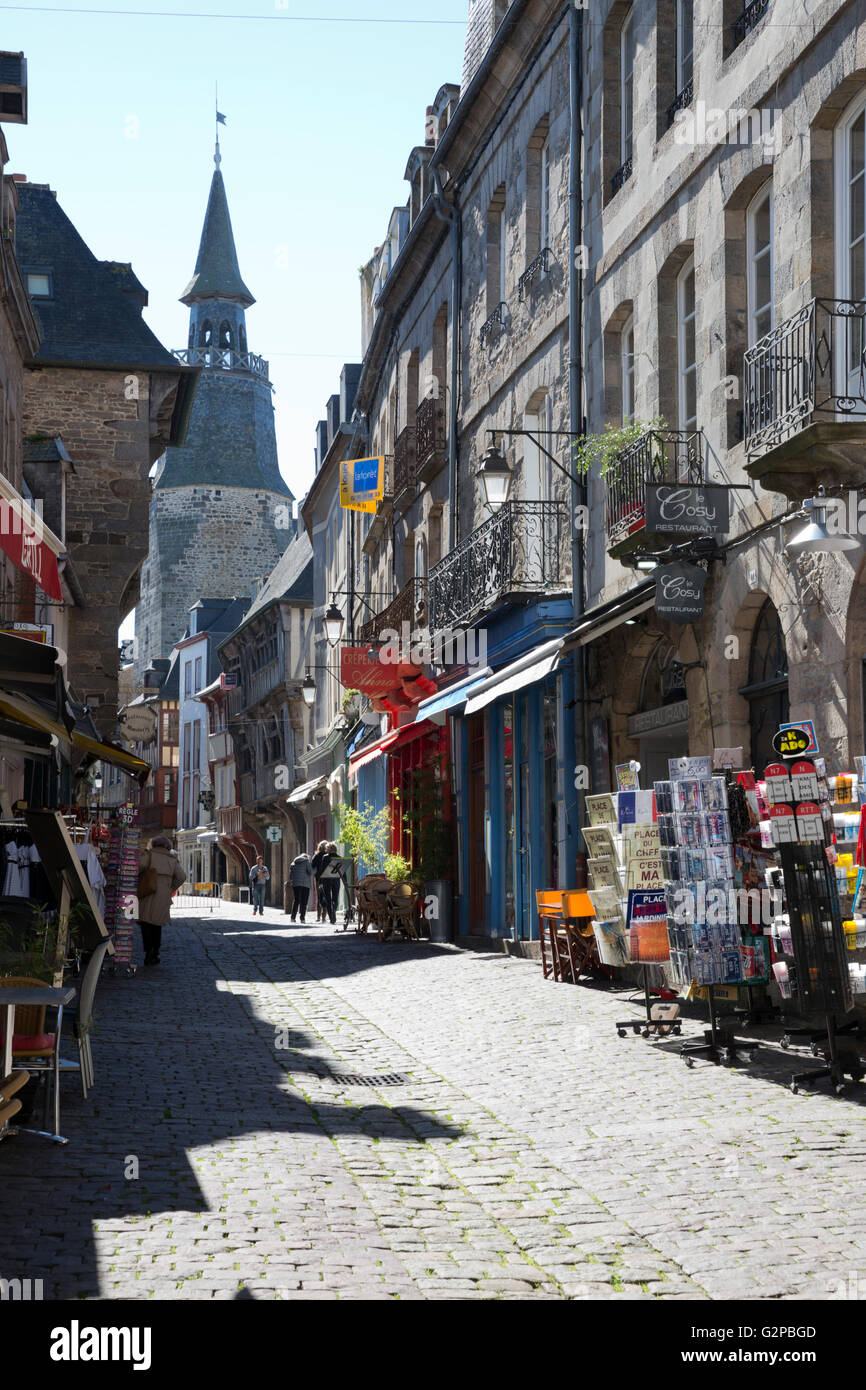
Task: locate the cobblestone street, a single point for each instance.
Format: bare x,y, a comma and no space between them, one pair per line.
530,1153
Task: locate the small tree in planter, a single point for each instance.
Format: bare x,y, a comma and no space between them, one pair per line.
366,834
604,451
432,846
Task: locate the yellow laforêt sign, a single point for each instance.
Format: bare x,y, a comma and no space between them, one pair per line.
362,484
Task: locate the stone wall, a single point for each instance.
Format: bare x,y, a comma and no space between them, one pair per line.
203,540
108,438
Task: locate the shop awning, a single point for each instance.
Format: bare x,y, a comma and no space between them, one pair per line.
611,615
438,705
305,791
19,709
110,753
373,751
31,669
528,669
28,542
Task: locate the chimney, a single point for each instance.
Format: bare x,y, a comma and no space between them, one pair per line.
19,178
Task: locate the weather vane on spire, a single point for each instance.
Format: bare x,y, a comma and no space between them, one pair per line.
220,120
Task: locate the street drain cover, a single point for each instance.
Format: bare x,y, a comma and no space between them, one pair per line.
393,1078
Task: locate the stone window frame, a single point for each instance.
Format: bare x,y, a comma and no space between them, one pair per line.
613,360
764,193
854,111
496,262
533,211
687,315
736,303
732,10
667,343
611,132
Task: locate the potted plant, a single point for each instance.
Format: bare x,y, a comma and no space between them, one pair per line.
605,450
432,849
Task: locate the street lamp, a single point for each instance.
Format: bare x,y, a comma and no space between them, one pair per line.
334,622
814,535
495,475
308,690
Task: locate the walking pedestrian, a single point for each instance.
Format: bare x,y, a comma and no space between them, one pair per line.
301,879
159,876
317,862
259,876
331,876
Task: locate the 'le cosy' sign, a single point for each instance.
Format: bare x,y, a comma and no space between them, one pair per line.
686,511
679,593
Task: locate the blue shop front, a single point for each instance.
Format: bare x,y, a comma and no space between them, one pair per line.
513,769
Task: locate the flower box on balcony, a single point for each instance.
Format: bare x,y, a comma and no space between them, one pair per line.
657,456
805,400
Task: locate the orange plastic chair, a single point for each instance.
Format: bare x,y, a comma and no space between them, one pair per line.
578,912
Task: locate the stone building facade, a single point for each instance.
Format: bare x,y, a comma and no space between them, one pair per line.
220,514
725,295
102,381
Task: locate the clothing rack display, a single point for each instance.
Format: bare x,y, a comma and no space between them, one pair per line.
121,895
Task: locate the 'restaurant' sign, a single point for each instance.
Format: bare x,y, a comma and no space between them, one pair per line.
680,592
359,670
673,510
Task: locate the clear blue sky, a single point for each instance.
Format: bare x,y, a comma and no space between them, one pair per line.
321,118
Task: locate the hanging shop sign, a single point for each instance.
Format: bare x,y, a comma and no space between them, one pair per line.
686,511
138,724
359,670
793,740
28,549
274,834
809,726
31,632
362,484
679,595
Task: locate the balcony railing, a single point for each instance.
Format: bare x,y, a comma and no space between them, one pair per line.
224,358
658,456
535,268
230,820
682,101
524,549
622,175
410,606
813,363
495,321
752,15
404,461
429,432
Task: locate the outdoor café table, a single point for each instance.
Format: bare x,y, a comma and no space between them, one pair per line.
10,998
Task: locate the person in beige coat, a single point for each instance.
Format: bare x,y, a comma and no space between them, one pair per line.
159,873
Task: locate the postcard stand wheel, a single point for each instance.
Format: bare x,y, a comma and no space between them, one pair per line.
720,1046
659,1020
840,1062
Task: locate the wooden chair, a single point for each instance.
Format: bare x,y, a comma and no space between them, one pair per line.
381,912
403,910
367,900
548,902
82,1017
30,1041
8,1087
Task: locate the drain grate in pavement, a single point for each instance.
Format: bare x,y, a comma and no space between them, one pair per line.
392,1078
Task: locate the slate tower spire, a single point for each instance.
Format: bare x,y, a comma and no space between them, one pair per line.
221,514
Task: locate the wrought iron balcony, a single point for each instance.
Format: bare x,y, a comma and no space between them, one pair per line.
496,320
622,175
658,456
535,268
429,437
410,606
752,15
805,400
682,101
223,358
404,461
523,550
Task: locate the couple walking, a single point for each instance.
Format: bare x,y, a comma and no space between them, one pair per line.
326,867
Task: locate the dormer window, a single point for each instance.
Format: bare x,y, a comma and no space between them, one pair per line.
40,284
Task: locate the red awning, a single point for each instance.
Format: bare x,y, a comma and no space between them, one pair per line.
391,742
28,542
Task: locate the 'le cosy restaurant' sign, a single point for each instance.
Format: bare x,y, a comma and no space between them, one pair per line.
686,511
679,595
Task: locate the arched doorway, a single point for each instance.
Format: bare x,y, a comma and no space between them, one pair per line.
767,688
662,722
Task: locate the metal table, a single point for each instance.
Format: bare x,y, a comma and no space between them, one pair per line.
10,998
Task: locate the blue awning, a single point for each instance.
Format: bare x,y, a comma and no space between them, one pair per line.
437,706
